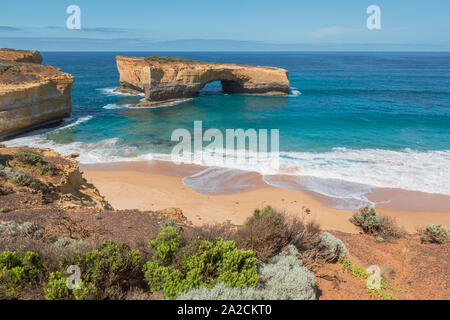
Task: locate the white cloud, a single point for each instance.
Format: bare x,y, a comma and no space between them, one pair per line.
332,31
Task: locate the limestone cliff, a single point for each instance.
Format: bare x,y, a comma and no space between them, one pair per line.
31,95
166,79
20,55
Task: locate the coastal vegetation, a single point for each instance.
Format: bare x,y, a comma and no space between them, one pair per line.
180,262
435,233
381,227
33,160
364,275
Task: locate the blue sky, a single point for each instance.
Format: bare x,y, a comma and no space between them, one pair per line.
226,25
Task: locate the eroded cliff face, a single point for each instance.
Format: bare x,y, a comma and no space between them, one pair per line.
168,79
31,95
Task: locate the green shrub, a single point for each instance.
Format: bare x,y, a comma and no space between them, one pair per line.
367,220
166,244
166,279
29,159
201,263
284,278
2,146
109,269
57,289
362,274
268,213
22,179
384,227
17,270
221,291
170,223
435,233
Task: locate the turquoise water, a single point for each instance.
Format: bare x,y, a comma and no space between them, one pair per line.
378,119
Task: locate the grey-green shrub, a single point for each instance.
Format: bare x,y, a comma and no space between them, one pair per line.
367,220
12,229
65,242
285,278
330,248
169,223
435,233
222,292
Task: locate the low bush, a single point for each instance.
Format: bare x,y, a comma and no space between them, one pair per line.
370,223
106,273
22,179
284,278
169,222
18,270
221,291
435,233
12,229
329,248
57,289
29,159
267,232
166,245
65,242
363,275
201,263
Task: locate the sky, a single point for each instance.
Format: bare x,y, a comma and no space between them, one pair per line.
236,25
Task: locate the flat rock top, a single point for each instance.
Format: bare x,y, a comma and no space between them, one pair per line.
20,68
20,55
19,73
180,62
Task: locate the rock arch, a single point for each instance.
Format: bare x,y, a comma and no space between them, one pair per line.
169,79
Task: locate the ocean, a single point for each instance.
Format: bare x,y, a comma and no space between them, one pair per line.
353,121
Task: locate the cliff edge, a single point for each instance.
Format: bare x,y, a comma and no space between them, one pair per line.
166,79
31,95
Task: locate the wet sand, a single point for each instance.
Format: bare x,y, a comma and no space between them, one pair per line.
154,185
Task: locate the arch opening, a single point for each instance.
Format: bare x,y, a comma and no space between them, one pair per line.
212,88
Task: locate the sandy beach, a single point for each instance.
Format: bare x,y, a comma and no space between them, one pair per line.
155,185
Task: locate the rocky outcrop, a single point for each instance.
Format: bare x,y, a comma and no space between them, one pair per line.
167,79
61,185
31,95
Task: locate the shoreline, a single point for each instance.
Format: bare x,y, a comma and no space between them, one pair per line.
155,185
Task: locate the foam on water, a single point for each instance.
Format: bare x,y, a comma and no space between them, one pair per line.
216,180
345,173
112,92
294,92
340,194
114,106
425,171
